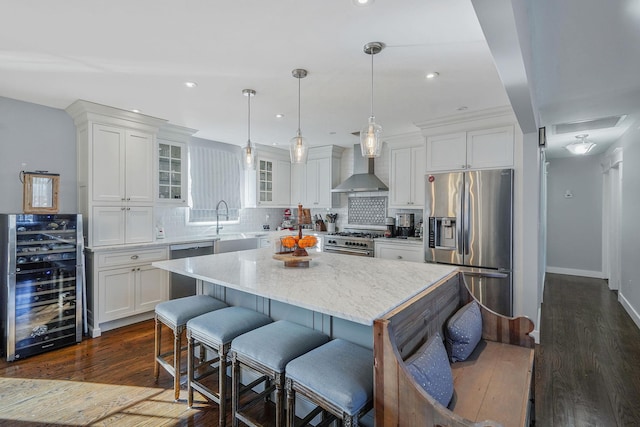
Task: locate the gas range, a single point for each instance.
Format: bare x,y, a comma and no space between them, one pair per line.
351,242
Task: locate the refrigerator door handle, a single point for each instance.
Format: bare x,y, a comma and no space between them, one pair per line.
467,215
495,275
459,217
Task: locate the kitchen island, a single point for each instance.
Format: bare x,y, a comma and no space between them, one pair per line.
340,295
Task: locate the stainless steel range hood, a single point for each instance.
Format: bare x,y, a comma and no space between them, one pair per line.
363,178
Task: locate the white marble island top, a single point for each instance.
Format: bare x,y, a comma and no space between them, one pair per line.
358,289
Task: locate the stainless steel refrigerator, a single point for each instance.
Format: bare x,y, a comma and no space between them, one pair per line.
42,282
470,224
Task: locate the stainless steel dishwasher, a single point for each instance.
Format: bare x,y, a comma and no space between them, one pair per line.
182,286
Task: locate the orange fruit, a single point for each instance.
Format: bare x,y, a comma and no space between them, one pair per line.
288,242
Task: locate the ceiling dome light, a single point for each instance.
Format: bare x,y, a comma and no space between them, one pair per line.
371,134
362,2
299,148
249,152
582,146
432,75
190,85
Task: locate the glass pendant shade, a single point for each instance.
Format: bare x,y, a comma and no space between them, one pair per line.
299,149
249,157
581,147
371,139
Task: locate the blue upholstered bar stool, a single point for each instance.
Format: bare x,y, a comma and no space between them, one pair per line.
336,377
175,314
267,350
215,331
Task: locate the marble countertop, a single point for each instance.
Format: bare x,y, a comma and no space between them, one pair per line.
359,289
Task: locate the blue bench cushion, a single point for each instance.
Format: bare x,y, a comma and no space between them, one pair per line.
341,372
222,326
464,331
430,367
180,311
276,344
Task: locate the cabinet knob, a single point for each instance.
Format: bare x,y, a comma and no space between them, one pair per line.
463,166
134,257
128,209
133,269
399,256
128,199
122,208
122,199
468,166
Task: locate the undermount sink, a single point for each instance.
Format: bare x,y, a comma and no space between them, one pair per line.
233,245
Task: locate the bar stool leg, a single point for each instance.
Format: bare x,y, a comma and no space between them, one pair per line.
190,368
235,389
279,399
158,338
177,350
291,405
222,383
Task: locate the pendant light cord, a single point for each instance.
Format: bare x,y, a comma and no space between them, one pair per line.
249,120
371,83
299,78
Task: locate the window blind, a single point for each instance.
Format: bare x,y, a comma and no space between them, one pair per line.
215,175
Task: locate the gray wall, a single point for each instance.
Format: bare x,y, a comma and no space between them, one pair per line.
630,276
45,139
574,226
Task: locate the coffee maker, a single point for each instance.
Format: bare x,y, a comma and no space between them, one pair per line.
405,225
390,223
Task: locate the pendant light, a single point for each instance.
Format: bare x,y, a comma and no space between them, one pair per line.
249,152
299,149
371,134
582,146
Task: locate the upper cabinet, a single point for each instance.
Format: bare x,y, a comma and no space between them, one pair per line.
172,164
121,165
270,184
116,173
408,157
476,149
311,183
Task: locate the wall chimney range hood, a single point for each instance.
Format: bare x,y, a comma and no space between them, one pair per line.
363,178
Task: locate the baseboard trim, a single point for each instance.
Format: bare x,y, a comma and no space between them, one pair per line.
576,272
629,309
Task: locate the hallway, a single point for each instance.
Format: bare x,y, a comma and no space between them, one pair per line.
588,361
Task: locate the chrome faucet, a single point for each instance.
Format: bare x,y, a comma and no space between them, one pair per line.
218,228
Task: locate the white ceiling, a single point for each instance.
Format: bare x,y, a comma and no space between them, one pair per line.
138,54
582,59
586,65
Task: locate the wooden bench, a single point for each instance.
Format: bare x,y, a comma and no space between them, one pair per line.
493,387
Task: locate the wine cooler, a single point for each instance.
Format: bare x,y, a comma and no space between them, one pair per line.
42,273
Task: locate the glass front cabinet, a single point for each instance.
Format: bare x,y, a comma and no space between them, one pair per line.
172,164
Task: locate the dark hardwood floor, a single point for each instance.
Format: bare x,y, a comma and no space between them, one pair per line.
587,372
588,360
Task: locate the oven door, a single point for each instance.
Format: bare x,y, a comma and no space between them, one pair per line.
348,251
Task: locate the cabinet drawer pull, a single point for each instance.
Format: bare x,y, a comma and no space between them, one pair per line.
399,256
128,209
122,208
128,199
134,257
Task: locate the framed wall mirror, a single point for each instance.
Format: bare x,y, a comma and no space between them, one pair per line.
40,192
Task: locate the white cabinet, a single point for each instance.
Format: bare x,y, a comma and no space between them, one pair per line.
406,178
270,184
117,170
172,165
398,250
121,165
115,225
311,183
124,287
476,149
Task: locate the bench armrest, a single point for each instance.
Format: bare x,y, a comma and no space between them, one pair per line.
508,330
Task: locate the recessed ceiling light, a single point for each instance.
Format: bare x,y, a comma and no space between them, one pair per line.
279,116
362,2
275,143
433,75
135,110
190,85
